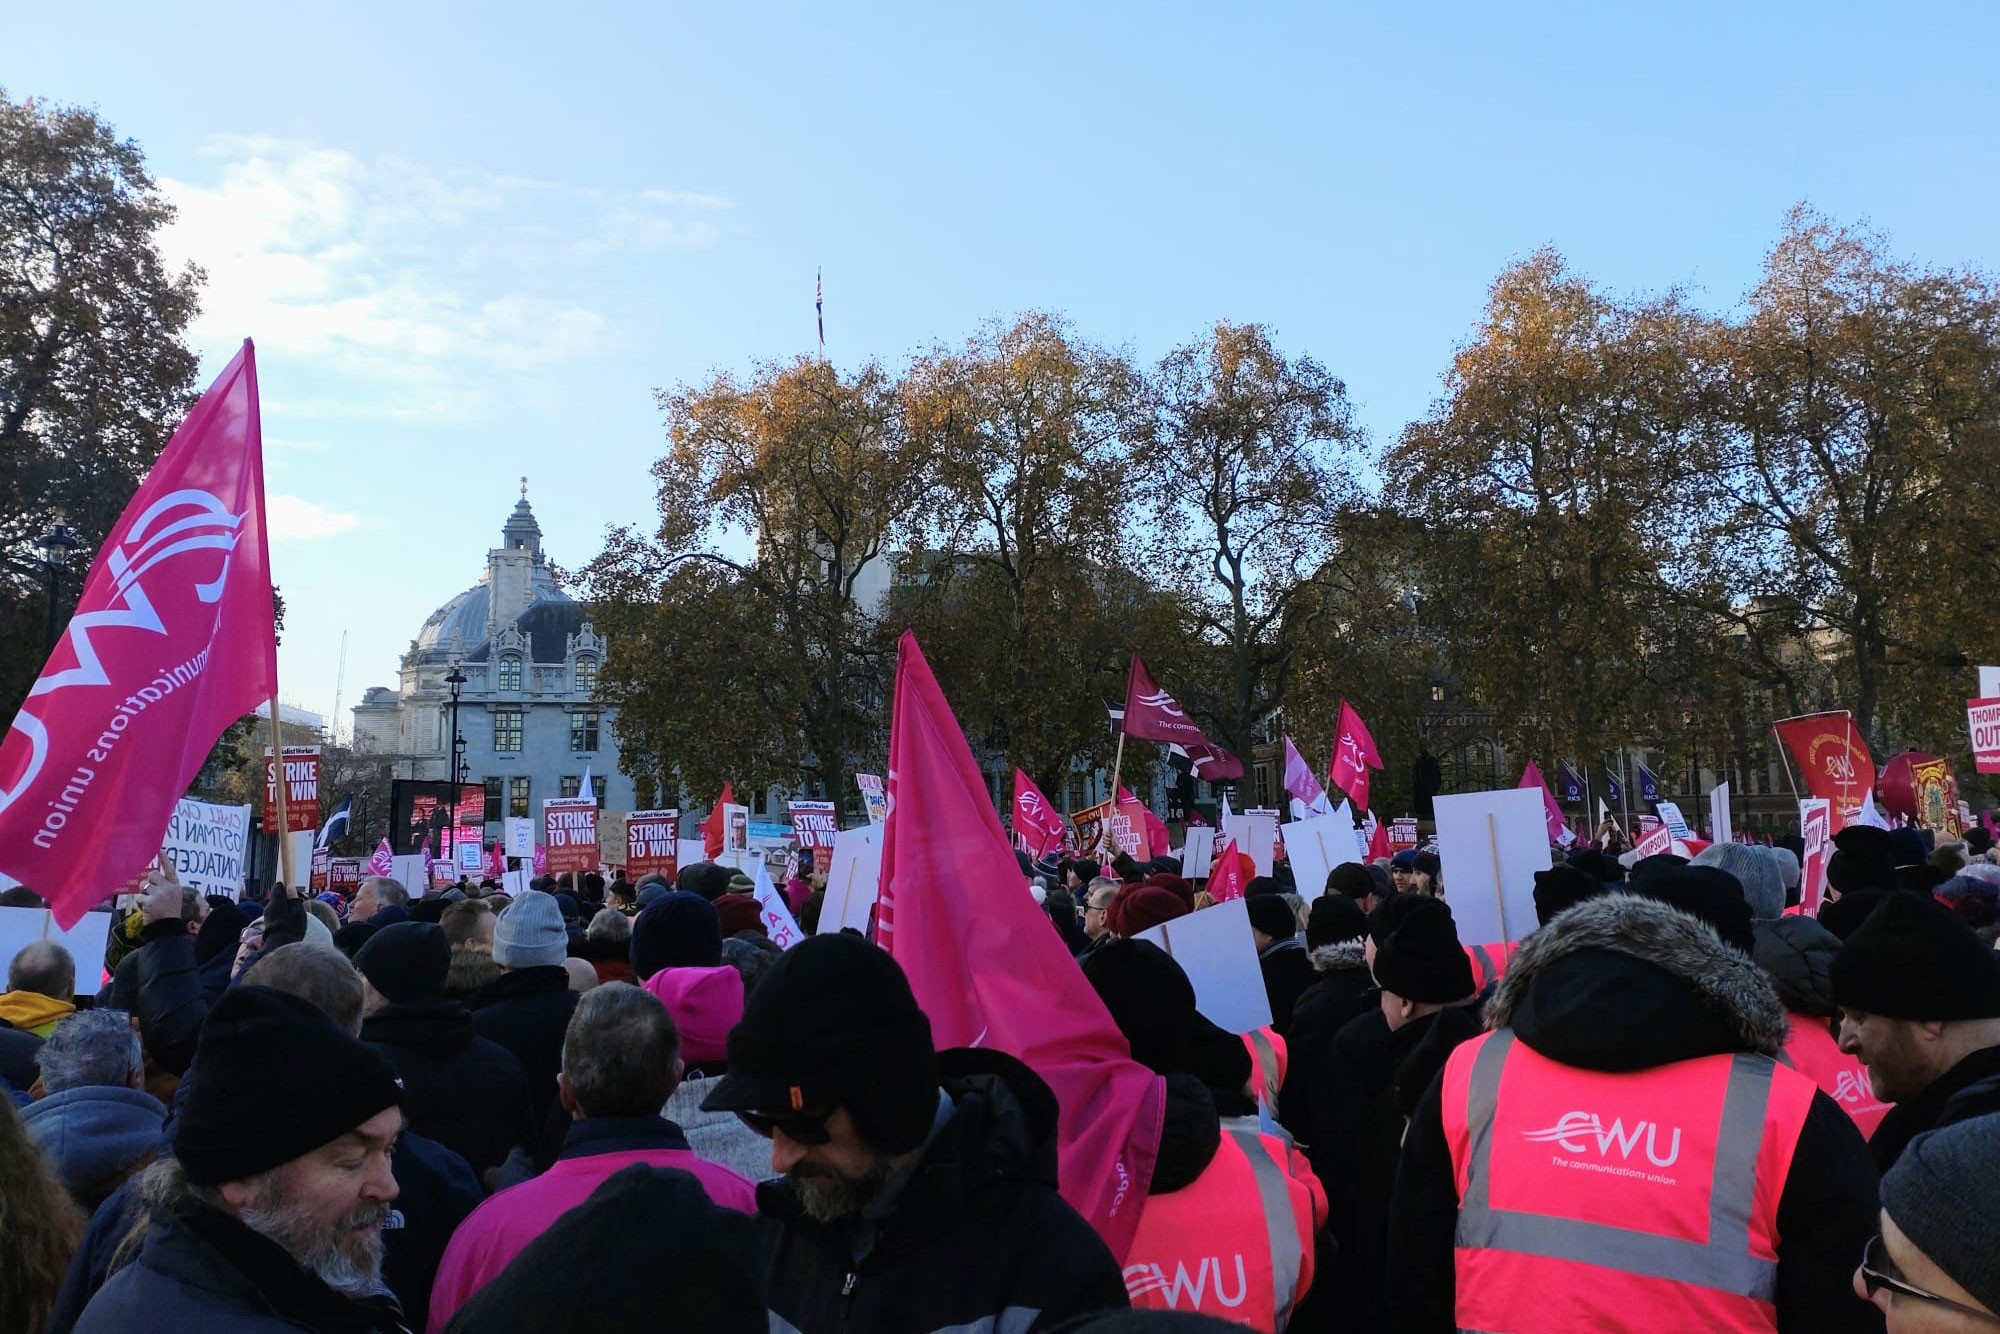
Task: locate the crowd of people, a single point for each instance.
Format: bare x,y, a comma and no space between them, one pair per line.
1681,1103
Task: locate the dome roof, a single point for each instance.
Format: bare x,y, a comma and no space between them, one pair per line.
552,616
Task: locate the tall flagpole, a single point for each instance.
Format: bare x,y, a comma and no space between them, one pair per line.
277,792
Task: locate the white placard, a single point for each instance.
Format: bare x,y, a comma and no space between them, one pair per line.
1989,682
207,845
20,927
1490,844
690,850
520,836
1198,854
1316,846
1720,830
471,857
735,827
409,872
774,912
1255,832
1676,823
518,882
1215,949
854,881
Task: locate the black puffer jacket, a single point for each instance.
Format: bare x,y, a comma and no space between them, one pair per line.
1345,989
527,1011
464,1091
979,1239
1797,954
1618,984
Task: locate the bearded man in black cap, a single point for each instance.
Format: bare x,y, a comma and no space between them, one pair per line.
918,1189
270,1215
1919,998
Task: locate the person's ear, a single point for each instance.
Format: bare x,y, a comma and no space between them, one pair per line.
567,1095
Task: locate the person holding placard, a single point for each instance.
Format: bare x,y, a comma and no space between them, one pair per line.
1622,1151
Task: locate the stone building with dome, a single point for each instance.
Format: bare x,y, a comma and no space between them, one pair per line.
526,708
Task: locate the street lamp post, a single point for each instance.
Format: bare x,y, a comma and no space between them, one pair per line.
55,550
456,681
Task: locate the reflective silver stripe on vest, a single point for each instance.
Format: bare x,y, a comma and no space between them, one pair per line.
1267,1061
1484,962
1275,1196
1723,1264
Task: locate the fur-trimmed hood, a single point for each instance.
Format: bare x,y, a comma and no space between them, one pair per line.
1623,971
1340,956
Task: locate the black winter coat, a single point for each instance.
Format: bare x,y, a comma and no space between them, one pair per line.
466,1092
1970,1088
1584,992
1345,989
17,1057
527,1011
1288,971
171,990
978,1239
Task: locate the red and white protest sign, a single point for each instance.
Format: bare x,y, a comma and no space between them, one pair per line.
1816,831
569,833
300,801
651,846
1403,834
172,642
344,875
1983,715
814,824
1655,842
321,875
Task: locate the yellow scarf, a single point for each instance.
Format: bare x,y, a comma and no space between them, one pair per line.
34,1012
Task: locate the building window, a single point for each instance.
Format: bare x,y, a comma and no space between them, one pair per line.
586,676
494,796
517,798
510,673
507,730
570,785
583,731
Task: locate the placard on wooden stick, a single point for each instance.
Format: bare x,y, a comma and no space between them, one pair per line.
1216,951
1490,844
1316,846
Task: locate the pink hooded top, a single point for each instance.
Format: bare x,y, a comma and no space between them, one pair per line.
705,1003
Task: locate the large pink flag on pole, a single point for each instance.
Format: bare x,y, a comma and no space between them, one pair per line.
988,969
172,642
1559,830
1039,823
1302,785
1354,756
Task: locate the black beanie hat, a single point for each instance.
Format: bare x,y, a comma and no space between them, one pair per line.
1149,997
677,930
1940,1192
1598,863
353,935
1273,916
834,1023
1562,887
1334,918
1978,840
644,1231
1914,959
1659,869
273,1079
1843,916
1260,885
1707,892
1421,960
1351,880
1391,911
407,962
1864,857
708,879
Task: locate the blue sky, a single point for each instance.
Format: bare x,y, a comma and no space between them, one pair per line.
471,240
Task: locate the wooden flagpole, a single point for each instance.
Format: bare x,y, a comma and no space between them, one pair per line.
277,794
1117,765
1499,889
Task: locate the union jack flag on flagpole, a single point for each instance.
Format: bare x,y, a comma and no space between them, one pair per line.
819,308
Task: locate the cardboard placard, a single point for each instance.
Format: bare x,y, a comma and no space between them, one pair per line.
1816,832
569,832
652,844
20,927
1989,682
1198,853
1490,844
1214,948
1402,834
471,857
207,845
874,796
520,836
1256,833
300,802
854,881
1676,823
1316,846
321,875
409,873
1721,828
735,827
690,851
814,824
779,924
1982,717
343,875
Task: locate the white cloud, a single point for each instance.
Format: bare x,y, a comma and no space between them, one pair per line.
420,283
296,519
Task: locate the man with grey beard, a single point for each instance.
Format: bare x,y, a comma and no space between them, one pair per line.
270,1215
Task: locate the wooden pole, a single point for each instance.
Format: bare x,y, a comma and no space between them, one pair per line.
1117,765
1499,889
277,793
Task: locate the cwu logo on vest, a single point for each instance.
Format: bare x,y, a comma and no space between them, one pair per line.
1145,1279
1575,1131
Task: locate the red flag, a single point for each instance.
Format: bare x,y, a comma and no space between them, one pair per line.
1034,819
1354,755
1833,759
988,970
1378,841
1151,714
496,862
711,828
1231,874
171,643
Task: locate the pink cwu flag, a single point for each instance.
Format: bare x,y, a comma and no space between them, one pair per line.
382,861
172,642
1559,830
1354,756
1036,822
988,970
1302,785
1231,874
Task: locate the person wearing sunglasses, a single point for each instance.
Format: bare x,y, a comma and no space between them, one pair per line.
916,1189
1934,1268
